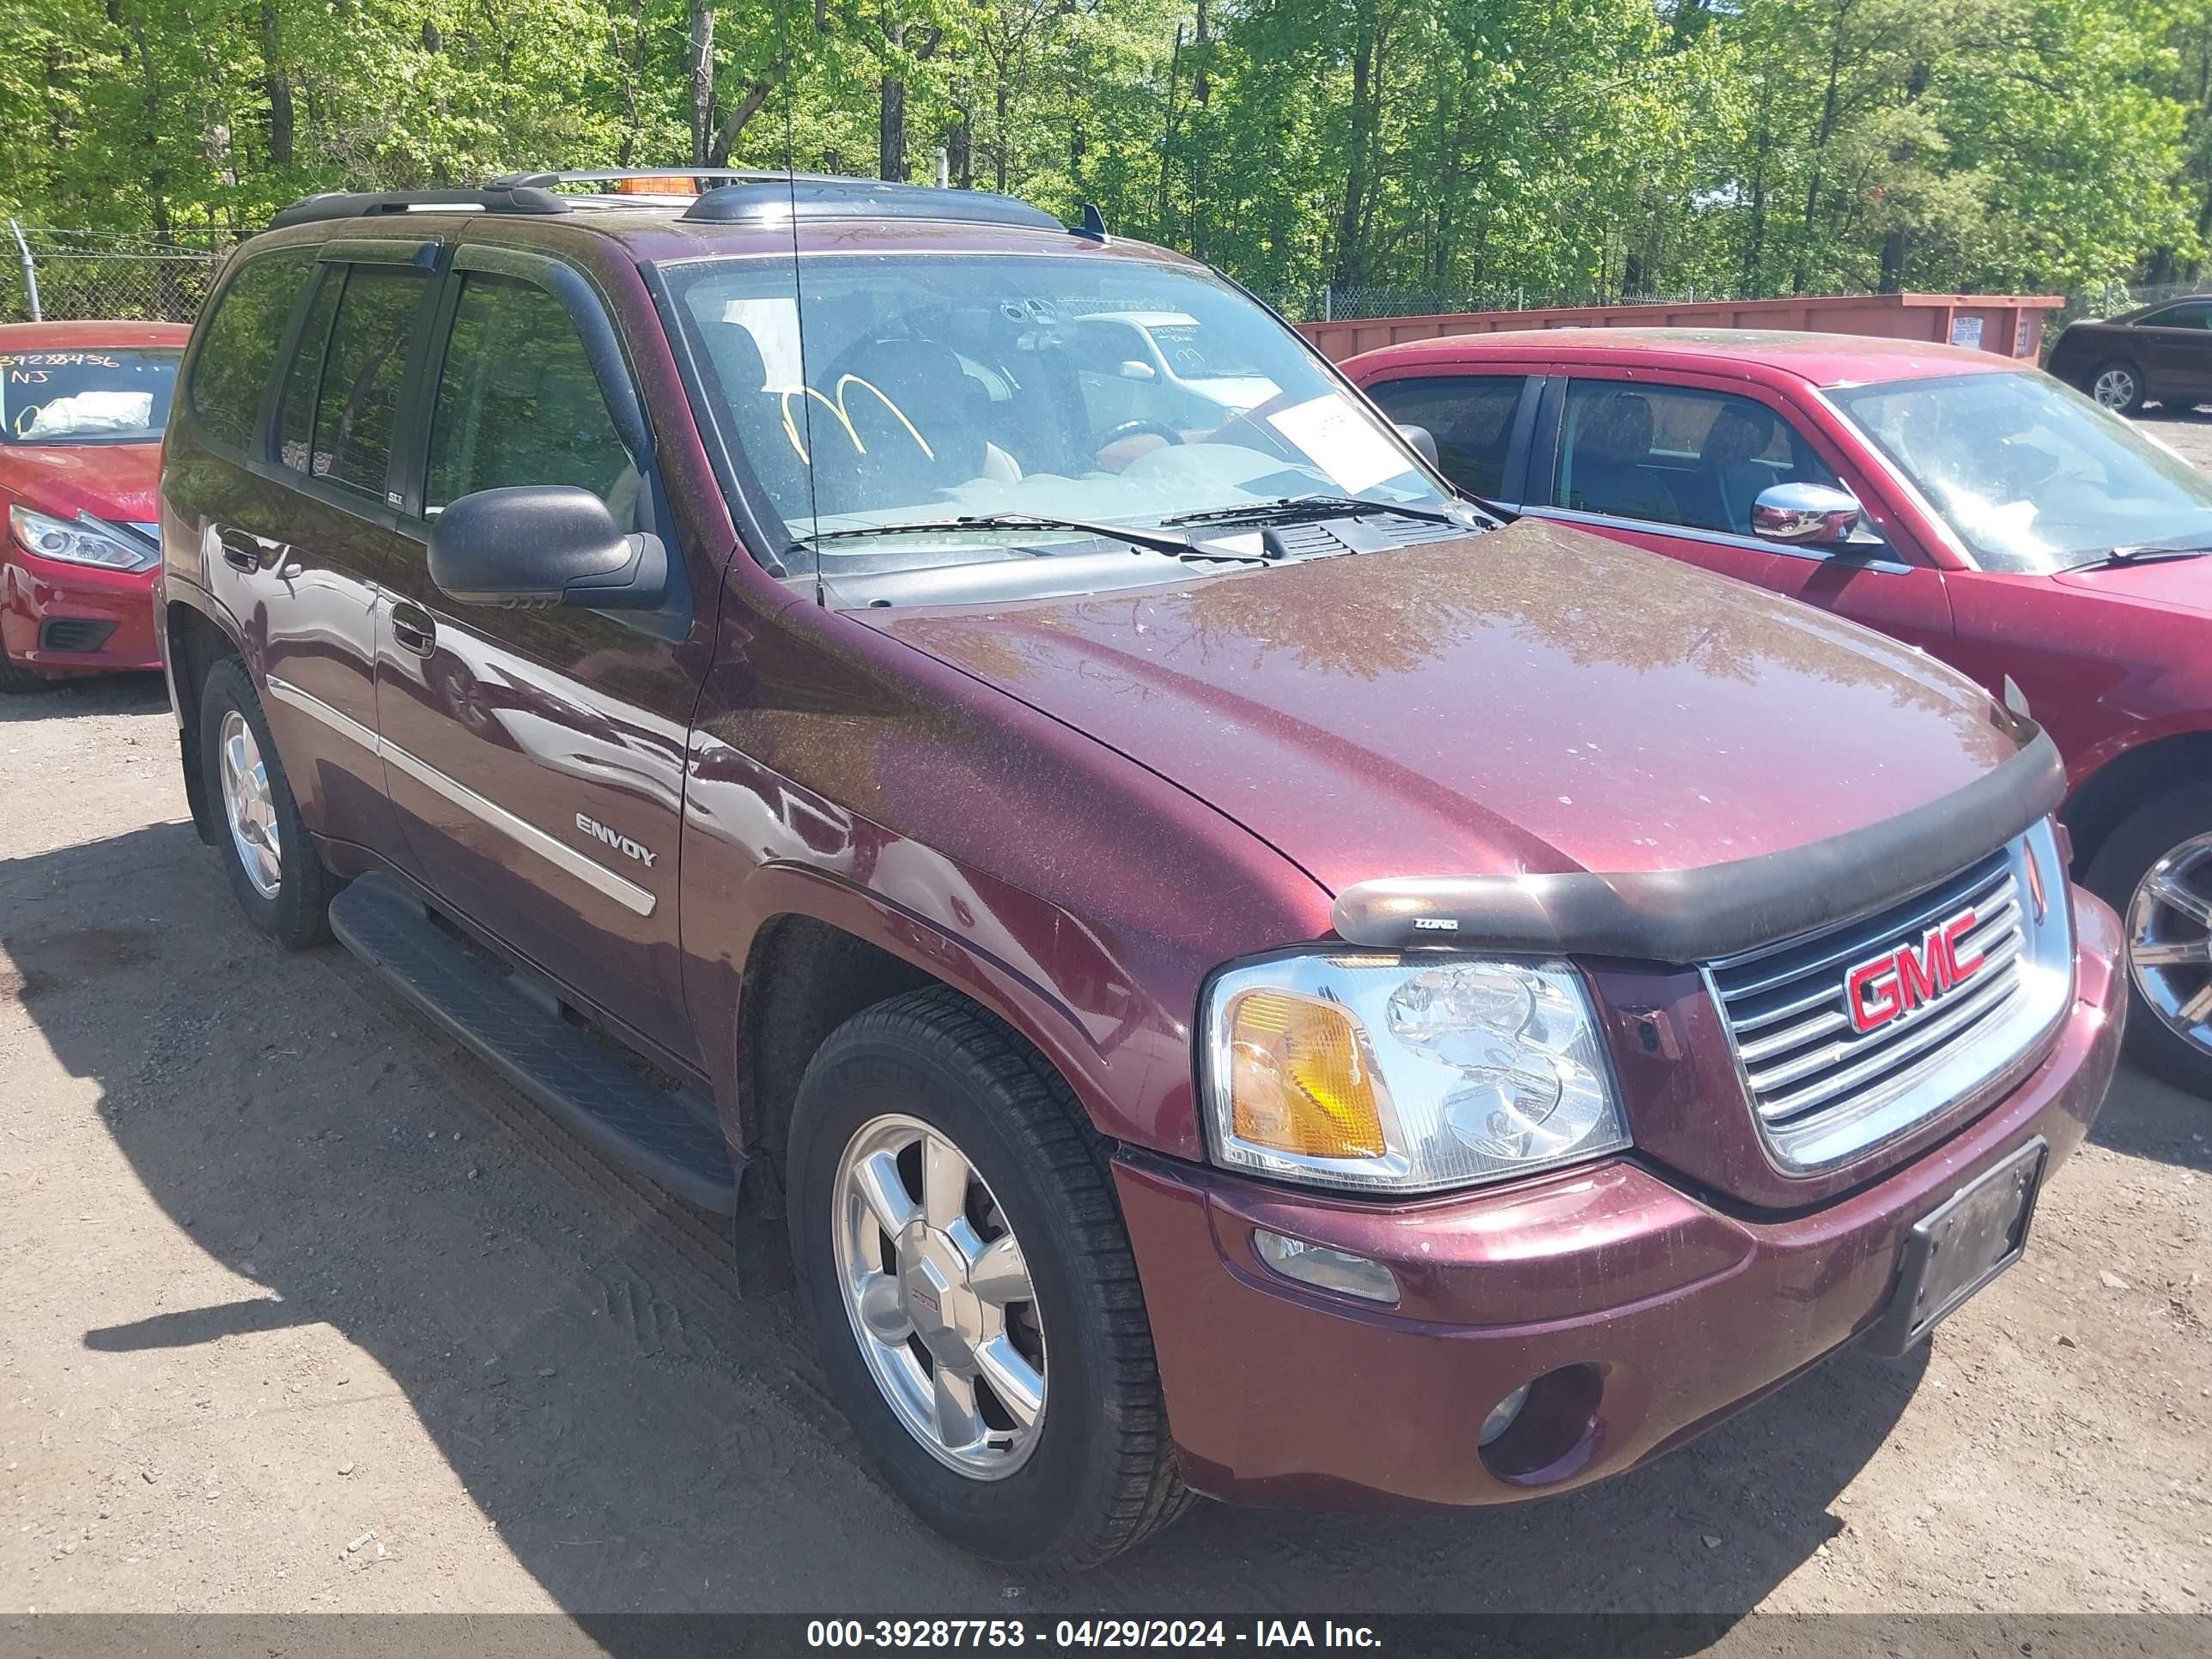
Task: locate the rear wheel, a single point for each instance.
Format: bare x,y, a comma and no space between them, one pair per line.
2118,384
962,1261
272,864
2155,870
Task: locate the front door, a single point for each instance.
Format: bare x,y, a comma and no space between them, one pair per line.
537,756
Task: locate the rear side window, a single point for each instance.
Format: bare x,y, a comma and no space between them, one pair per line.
363,365
518,403
2189,313
296,406
1470,416
239,348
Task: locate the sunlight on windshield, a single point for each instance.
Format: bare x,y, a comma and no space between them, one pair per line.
2031,475
928,386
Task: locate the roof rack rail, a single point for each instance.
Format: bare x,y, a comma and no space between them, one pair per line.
733,196
777,197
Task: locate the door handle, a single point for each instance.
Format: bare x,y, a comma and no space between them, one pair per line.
239,550
413,630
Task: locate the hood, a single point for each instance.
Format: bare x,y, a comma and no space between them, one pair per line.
1532,701
2168,584
115,482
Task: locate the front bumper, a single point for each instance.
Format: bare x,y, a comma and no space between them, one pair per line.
62,619
1650,1313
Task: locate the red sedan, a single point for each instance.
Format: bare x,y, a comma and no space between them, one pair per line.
1966,504
82,409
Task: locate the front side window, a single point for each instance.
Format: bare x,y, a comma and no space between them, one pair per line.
86,394
1675,455
2189,313
239,343
1470,416
2031,475
920,388
518,403
363,367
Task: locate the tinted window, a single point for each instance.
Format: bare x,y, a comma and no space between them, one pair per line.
295,409
238,348
1470,416
362,369
2189,313
518,403
1674,455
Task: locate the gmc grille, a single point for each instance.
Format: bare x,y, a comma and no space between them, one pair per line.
1827,1086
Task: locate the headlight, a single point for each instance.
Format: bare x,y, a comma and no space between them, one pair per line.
1405,1074
75,543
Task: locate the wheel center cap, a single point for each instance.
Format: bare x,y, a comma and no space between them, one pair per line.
946,1312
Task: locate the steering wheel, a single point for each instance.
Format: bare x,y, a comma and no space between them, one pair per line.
1136,429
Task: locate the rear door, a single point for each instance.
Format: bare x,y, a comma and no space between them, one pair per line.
537,756
2174,350
298,547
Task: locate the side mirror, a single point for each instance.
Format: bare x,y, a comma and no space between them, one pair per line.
1132,369
1804,514
1421,439
545,544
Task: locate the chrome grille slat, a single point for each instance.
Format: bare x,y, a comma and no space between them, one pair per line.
1736,978
1821,1088
1956,1011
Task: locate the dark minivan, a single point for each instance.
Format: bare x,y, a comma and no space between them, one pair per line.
1245,975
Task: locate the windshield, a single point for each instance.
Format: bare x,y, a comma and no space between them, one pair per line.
934,386
89,396
2030,474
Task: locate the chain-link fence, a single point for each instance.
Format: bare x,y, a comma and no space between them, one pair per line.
1332,303
59,276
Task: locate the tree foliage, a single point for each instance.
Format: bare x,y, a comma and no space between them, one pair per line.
1467,148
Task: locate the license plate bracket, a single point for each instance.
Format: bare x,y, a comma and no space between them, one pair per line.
1960,1246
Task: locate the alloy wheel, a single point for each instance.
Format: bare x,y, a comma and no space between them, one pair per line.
2170,941
2115,388
250,807
939,1296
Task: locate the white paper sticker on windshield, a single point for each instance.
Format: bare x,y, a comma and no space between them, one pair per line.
1341,442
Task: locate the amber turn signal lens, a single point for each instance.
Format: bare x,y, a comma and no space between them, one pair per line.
1300,1080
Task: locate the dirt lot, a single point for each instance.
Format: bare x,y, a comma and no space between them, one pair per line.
305,1310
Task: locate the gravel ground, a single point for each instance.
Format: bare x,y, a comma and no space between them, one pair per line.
306,1311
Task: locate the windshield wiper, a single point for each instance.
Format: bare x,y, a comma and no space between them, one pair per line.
2145,553
1288,508
1175,547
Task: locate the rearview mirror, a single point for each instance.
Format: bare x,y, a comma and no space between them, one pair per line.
1421,439
1134,369
544,544
1804,514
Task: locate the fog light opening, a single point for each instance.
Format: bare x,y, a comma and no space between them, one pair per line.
1502,1415
1545,1430
1326,1269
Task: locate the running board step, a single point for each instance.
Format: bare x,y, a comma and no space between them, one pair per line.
669,1136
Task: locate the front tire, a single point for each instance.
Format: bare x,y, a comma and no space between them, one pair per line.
15,679
2119,385
272,864
962,1258
2155,870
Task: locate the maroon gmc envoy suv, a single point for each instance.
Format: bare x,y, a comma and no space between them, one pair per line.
962,735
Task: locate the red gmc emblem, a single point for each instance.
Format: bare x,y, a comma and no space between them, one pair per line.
1893,984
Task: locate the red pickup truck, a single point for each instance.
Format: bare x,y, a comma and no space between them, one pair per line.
1238,972
1965,504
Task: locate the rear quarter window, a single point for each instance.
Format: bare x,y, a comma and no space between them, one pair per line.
237,349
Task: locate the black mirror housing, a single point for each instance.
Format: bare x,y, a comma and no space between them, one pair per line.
544,544
1422,440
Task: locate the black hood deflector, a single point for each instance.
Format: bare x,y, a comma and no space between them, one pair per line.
1717,910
